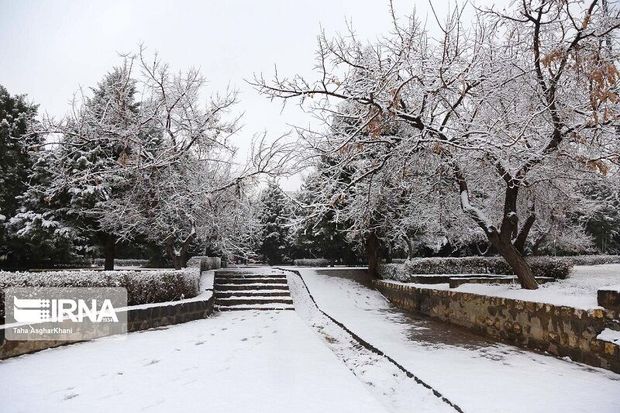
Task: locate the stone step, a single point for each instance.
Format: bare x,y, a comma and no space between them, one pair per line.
253,286
230,280
252,300
226,272
268,307
253,281
249,277
252,293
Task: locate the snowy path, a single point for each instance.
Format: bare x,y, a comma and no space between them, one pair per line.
233,362
401,394
478,375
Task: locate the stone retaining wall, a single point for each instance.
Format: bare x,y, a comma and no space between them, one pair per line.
559,330
138,318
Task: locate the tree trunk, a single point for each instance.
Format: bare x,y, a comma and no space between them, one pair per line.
177,261
109,251
179,258
502,239
409,247
517,262
372,251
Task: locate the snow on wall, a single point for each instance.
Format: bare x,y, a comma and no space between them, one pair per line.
139,317
559,330
145,286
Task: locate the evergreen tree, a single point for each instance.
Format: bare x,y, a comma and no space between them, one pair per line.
275,219
323,233
16,119
89,167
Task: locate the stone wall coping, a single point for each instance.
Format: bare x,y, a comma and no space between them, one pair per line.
614,288
204,296
444,290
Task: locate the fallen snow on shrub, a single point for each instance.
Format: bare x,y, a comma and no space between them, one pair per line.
556,267
123,262
311,262
205,263
146,286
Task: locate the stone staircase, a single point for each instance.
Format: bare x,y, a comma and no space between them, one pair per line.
245,289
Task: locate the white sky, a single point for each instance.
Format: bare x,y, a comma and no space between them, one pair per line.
48,49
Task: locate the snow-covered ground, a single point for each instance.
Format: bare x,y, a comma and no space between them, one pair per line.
232,362
385,380
578,290
478,375
300,361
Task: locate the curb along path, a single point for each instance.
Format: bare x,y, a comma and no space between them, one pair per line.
368,346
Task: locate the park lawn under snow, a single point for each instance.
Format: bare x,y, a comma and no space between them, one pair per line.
477,375
578,290
232,362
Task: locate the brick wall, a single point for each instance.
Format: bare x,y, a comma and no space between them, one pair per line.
559,330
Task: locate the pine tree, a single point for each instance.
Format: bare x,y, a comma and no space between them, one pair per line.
89,167
16,119
275,219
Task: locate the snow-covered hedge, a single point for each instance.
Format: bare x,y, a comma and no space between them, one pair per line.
123,262
147,286
311,262
556,267
204,263
594,259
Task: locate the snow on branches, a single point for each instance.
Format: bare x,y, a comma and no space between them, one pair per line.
508,118
141,157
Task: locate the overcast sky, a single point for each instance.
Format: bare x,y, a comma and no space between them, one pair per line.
48,49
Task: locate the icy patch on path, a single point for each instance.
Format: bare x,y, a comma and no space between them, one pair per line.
388,383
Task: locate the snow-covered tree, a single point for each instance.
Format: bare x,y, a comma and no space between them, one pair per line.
87,165
515,107
275,218
323,232
157,165
18,147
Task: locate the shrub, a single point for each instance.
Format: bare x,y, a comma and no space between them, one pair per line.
205,263
123,262
311,262
147,286
594,259
556,267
